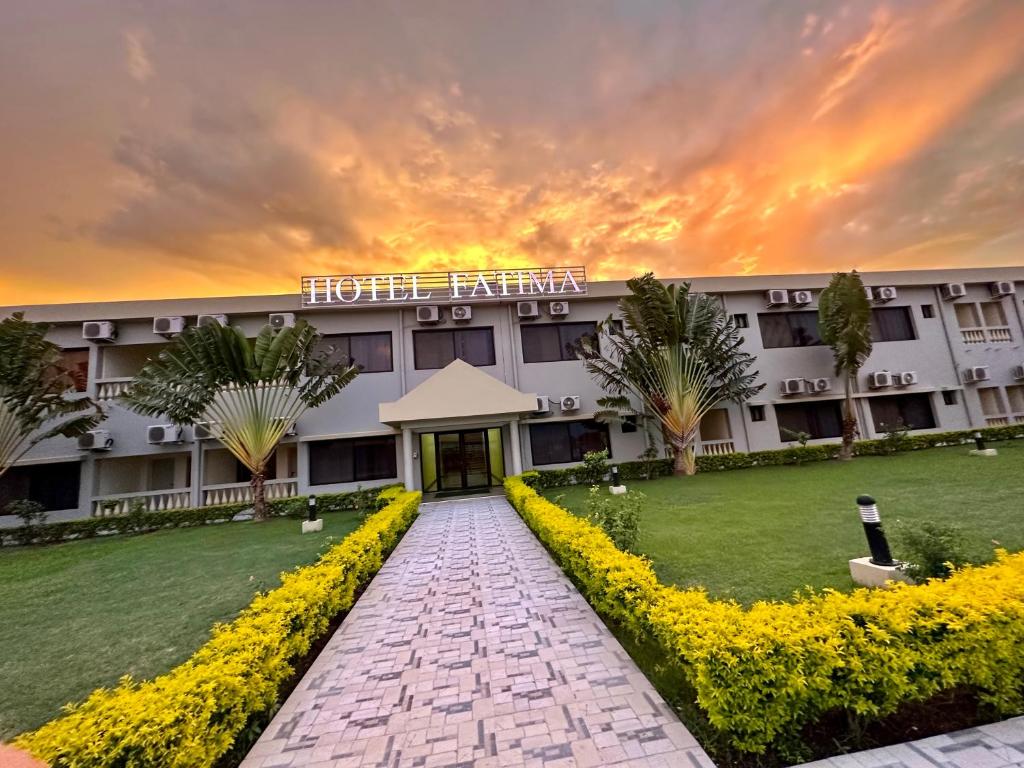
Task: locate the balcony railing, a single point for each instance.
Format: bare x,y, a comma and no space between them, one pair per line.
239,493
152,501
108,389
717,447
1001,335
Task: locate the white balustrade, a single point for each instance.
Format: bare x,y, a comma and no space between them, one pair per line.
717,447
999,335
973,336
997,421
153,501
108,389
241,493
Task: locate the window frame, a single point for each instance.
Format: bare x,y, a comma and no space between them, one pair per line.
531,328
808,405
880,427
567,424
908,315
423,333
356,478
391,347
787,315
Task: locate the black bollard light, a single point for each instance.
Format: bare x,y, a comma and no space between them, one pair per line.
615,477
311,509
880,554
979,441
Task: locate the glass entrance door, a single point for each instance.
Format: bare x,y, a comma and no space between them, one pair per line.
462,460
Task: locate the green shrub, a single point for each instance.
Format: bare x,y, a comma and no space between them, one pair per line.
618,515
30,512
594,469
931,550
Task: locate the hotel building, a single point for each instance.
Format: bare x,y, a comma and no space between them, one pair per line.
461,387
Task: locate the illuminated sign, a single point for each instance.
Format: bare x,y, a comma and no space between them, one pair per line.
442,287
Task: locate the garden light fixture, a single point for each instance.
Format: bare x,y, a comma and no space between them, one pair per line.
880,554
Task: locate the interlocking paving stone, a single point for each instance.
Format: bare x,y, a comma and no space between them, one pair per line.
471,648
999,745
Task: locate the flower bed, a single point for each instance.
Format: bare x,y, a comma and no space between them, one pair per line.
762,675
191,716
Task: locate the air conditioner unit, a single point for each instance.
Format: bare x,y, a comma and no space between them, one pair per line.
292,430
558,309
99,330
976,373
211,320
570,402
281,319
884,294
817,386
880,379
800,298
1018,372
543,404
462,313
869,292
204,430
906,379
168,326
791,386
777,297
527,310
428,315
161,434
954,291
1001,288
96,440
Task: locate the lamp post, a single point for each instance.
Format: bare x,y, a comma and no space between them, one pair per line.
311,509
880,554
979,441
615,476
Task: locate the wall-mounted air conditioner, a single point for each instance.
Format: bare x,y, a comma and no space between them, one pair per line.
880,379
99,330
800,298
976,373
791,386
203,430
869,292
819,385
885,293
96,440
543,404
558,309
211,320
777,297
527,310
906,379
1001,288
569,402
954,291
162,434
462,313
168,326
281,319
1018,372
428,315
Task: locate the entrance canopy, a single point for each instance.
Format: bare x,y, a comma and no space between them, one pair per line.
457,391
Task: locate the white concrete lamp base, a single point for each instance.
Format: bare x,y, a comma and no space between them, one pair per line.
616,490
867,574
312,526
985,452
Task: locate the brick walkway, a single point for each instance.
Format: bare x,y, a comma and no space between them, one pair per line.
471,648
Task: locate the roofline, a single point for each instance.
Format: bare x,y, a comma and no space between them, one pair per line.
598,289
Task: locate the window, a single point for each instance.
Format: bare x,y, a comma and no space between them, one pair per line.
991,401
892,324
714,426
967,315
911,411
741,320
371,352
993,313
436,349
77,361
949,397
555,341
55,486
353,460
629,423
757,413
927,311
789,329
819,420
1015,397
561,442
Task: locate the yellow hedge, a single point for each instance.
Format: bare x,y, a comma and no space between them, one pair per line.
192,715
762,674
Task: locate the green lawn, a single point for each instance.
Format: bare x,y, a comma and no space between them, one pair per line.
764,533
80,615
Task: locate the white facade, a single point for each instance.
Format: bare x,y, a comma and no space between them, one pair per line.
950,336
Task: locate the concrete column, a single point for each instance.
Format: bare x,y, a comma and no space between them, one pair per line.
409,475
196,479
517,448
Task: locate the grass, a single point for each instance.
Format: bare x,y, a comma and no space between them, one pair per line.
765,533
80,615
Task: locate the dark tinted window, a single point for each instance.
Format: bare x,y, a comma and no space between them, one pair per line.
949,396
789,329
435,349
911,411
349,461
370,351
77,361
561,442
757,413
927,311
892,324
821,419
55,486
554,341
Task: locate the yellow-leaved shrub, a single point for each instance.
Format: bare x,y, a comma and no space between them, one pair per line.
192,715
763,673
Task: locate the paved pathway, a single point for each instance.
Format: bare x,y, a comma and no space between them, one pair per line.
1000,745
471,649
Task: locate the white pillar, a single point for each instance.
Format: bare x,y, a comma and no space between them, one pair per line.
517,449
407,465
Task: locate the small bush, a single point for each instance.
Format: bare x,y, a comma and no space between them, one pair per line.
931,550
594,469
618,516
895,437
30,512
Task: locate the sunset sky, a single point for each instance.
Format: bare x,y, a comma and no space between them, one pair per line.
155,149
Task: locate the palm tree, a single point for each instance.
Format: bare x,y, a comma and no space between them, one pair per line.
251,392
844,314
34,392
678,354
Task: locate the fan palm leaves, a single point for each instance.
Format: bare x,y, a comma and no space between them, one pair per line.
36,389
678,354
250,391
844,316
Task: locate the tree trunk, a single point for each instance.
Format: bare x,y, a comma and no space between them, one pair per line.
684,462
259,497
849,423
